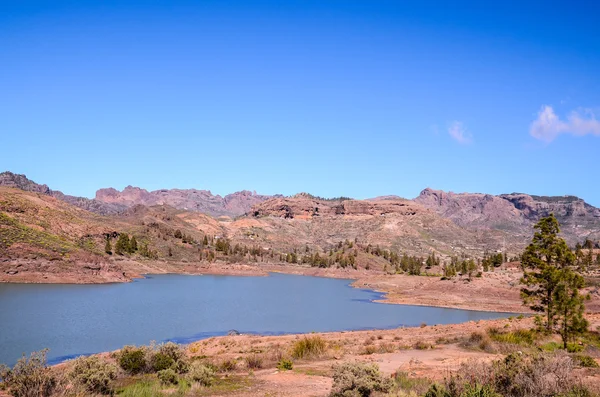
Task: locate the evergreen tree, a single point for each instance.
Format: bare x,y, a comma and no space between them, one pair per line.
543,262
108,247
122,245
569,306
205,241
133,245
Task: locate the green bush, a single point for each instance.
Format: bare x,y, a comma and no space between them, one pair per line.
160,361
523,337
30,377
285,365
167,355
201,373
585,361
405,383
357,379
309,346
132,359
94,374
168,376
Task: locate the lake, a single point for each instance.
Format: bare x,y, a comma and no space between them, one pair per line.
81,319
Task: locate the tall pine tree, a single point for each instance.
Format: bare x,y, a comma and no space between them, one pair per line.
542,263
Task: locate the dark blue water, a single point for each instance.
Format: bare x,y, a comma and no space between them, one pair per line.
80,319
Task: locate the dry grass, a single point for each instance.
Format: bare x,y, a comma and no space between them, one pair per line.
309,347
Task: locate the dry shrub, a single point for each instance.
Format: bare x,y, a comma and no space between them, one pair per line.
94,374
408,385
370,349
480,341
30,377
517,375
254,361
387,348
358,379
228,365
200,373
309,347
420,345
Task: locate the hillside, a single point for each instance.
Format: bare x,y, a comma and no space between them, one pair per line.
18,181
44,232
44,236
515,213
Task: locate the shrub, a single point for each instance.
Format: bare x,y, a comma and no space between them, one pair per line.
370,349
160,362
201,373
254,361
517,375
168,376
524,337
412,385
420,345
309,346
168,355
228,365
356,379
30,377
285,365
132,359
585,361
478,340
94,374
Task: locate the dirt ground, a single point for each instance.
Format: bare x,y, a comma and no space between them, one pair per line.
439,354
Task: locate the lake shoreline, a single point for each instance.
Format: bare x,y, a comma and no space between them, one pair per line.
494,292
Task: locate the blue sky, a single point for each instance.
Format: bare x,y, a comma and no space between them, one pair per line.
353,98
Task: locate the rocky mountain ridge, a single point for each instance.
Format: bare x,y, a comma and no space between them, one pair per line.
19,181
204,201
514,213
508,217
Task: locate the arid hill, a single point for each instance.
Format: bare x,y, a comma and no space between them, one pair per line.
515,213
18,181
40,233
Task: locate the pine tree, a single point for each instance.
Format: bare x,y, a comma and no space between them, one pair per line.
569,306
133,245
108,247
543,262
122,245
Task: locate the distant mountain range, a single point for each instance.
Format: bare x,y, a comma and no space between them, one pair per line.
506,217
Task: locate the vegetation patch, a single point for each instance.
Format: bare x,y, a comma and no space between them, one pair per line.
94,374
358,379
308,347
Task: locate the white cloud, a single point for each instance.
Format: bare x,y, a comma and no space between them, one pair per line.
459,133
548,125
